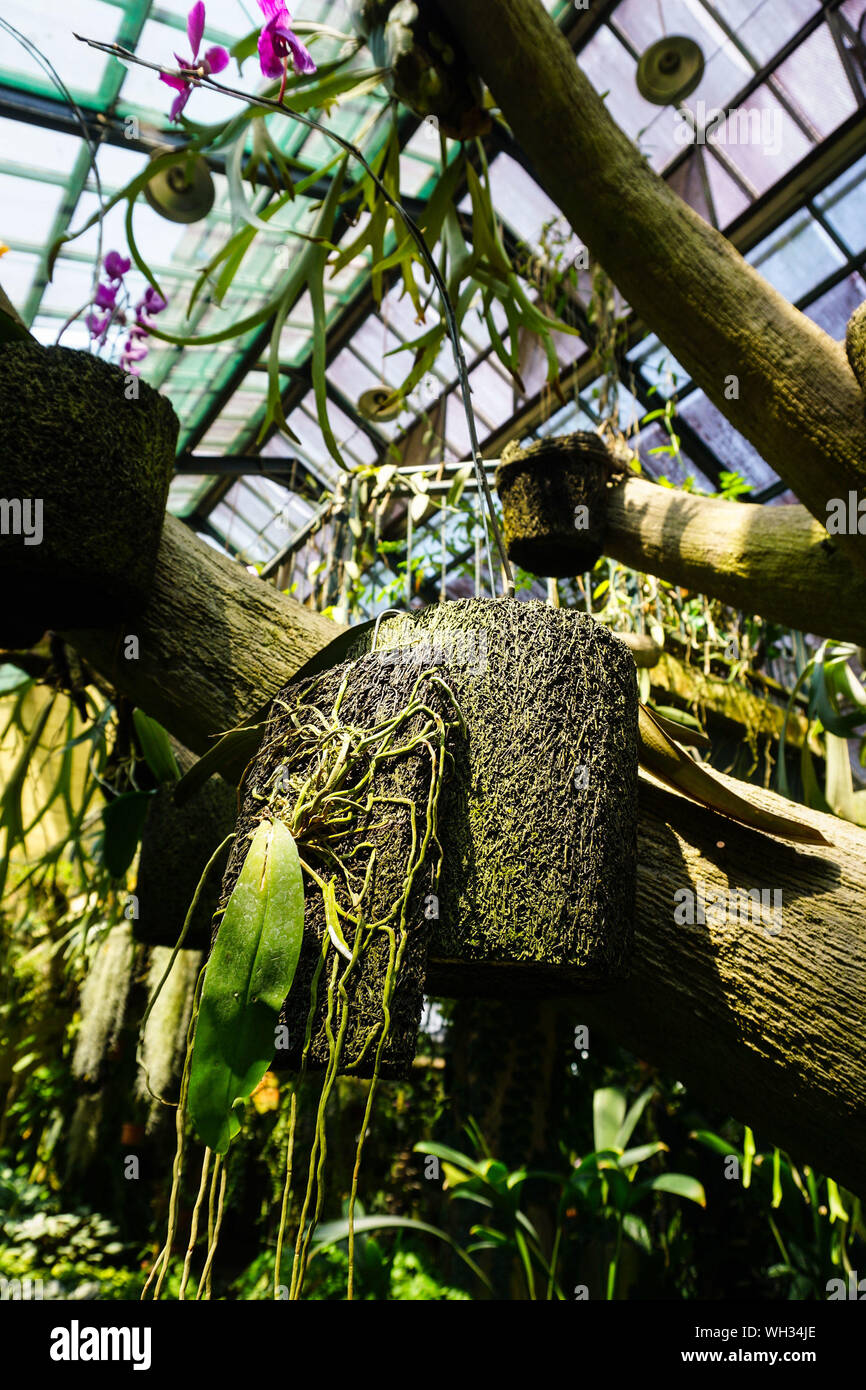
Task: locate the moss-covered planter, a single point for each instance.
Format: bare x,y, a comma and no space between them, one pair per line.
382,838
100,464
176,844
539,819
554,503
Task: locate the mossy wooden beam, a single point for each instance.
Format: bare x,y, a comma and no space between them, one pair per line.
770,1027
774,561
736,704
777,377
212,645
777,562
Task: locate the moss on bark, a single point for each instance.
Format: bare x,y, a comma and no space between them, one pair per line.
101,465
554,503
539,819
381,837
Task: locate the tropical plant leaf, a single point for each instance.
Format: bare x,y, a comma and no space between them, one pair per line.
608,1114
247,978
156,747
665,760
123,819
335,1232
680,1184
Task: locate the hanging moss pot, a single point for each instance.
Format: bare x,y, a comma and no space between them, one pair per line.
539,818
176,844
554,503
84,477
527,885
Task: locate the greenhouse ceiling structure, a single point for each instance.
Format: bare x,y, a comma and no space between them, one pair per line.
795,206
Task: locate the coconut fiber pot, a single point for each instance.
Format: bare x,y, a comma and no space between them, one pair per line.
176,844
381,839
539,821
100,465
554,503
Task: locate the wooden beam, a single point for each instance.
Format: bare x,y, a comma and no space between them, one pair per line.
775,561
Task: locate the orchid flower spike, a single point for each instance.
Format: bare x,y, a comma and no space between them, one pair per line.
278,44
214,60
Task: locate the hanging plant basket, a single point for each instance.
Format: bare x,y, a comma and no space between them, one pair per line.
554,503
527,858
539,817
100,465
176,844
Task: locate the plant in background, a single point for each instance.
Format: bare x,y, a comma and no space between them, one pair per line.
112,316
821,1220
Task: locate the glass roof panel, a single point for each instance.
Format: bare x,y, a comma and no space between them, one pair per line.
797,257
785,112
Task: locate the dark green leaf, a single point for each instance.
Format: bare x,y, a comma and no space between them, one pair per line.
248,976
123,819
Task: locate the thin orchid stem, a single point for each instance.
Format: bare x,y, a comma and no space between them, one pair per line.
199,77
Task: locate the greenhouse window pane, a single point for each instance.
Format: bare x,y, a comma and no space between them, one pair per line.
735,454
833,310
761,140
29,209
814,79
726,70
843,203
798,256
764,26
49,25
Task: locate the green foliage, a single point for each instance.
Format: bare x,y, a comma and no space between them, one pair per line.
247,978
75,1254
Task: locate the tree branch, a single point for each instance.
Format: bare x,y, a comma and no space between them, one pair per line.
799,402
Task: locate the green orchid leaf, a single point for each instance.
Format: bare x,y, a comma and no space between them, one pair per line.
123,819
680,1184
156,747
608,1115
246,981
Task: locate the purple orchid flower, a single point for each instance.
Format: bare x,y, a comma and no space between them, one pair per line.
96,325
152,303
116,266
105,297
278,44
214,60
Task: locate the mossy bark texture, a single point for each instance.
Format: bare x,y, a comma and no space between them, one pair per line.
101,466
539,821
777,377
554,503
775,561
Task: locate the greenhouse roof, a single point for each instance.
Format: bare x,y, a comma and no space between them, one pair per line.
794,203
